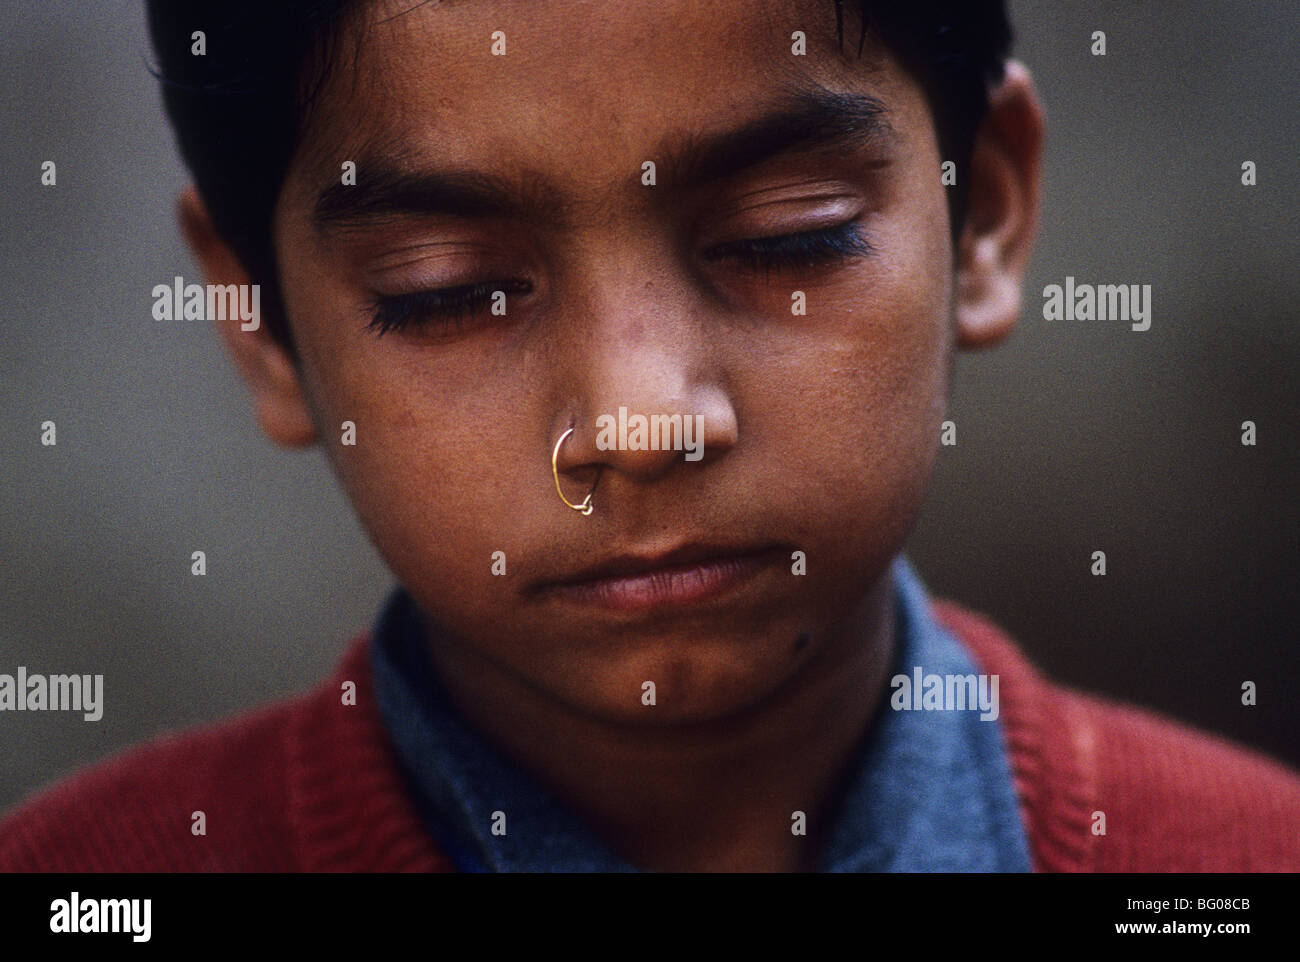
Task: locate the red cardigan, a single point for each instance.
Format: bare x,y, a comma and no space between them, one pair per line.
310,784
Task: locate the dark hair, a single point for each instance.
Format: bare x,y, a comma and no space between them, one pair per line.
239,110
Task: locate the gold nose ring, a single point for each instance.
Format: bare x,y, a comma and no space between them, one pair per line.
586,507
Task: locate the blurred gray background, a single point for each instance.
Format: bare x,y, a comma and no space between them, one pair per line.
1072,437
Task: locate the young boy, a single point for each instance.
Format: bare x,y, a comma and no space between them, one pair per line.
628,330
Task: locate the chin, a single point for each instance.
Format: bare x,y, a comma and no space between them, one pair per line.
674,686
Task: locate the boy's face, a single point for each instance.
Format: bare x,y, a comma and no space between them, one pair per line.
820,428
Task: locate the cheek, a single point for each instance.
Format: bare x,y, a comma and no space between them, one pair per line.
847,405
430,456
906,348
433,479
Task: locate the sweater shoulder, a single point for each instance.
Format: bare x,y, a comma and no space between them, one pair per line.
207,798
1179,799
1168,796
304,784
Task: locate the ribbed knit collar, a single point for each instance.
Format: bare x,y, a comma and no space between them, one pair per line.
929,790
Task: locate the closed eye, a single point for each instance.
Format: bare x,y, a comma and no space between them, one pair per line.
449,308
795,252
446,308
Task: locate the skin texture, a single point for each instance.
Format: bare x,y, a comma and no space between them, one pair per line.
820,431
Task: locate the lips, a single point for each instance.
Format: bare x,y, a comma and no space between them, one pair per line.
688,574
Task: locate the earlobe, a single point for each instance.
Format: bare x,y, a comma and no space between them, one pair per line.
1002,216
265,365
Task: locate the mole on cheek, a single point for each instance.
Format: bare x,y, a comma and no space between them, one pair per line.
801,642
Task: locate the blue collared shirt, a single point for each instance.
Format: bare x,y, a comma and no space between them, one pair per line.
930,791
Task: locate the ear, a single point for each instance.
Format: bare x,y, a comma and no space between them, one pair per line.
1002,214
266,366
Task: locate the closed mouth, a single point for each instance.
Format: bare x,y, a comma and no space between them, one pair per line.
639,582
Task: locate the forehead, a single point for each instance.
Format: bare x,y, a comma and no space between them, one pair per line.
583,89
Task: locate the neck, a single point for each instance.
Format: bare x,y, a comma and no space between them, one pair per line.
720,796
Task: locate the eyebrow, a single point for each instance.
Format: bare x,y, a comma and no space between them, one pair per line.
806,120
384,191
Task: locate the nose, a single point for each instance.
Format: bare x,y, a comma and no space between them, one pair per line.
649,389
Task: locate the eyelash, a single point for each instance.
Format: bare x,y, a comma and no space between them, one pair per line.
447,307
450,307
797,251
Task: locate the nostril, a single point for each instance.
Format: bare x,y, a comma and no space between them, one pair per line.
651,432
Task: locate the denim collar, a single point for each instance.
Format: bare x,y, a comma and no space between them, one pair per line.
928,791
